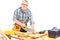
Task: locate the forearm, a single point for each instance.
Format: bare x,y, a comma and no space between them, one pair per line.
32,26
18,22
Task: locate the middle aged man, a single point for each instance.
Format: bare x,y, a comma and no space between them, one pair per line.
22,15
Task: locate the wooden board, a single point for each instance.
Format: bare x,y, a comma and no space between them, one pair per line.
28,36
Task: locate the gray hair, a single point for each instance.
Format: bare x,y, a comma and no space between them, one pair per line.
25,1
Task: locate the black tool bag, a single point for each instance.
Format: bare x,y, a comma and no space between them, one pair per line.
54,33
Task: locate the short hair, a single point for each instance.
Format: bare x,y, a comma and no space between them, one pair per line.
25,1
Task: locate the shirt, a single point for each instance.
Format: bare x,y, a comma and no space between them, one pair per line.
23,17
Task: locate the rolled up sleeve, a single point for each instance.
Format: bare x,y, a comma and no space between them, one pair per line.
15,15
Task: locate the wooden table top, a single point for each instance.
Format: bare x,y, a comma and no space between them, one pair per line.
41,37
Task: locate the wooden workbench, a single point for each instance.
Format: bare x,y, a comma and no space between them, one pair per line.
37,37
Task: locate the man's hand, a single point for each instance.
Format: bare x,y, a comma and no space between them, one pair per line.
32,26
23,26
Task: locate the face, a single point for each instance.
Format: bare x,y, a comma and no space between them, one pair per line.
24,6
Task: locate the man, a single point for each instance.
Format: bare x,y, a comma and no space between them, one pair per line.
22,15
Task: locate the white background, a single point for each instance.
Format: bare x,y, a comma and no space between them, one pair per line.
46,13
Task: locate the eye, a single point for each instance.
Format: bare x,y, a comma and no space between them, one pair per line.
25,4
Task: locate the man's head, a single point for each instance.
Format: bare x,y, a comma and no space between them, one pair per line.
24,5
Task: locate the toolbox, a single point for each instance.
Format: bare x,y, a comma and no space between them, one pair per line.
53,33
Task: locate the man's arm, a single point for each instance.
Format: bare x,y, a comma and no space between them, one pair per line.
32,26
18,22
16,19
31,21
